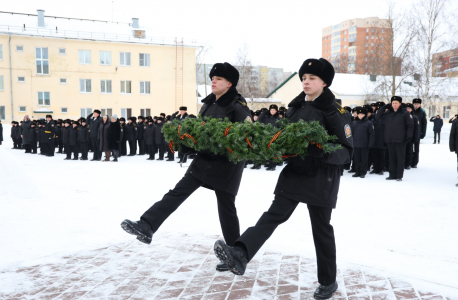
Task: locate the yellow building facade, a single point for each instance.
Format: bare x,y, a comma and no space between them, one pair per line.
71,77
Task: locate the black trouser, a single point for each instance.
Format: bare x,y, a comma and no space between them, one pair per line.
182,157
96,148
50,149
271,164
27,147
361,156
123,147
16,143
170,154
161,210
141,146
409,154
72,149
20,142
161,148
416,154
323,234
370,159
151,151
379,159
397,152
33,147
438,134
132,146
60,145
84,149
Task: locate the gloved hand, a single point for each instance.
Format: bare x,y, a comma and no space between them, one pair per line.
314,151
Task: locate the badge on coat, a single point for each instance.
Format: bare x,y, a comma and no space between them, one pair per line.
347,130
248,119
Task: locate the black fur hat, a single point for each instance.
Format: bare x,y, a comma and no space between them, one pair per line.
361,110
274,106
122,119
166,118
75,122
97,111
416,100
354,109
83,120
227,71
368,107
348,108
396,98
410,105
263,109
160,119
192,116
257,113
162,115
183,108
319,67
133,119
141,117
48,116
150,120
380,103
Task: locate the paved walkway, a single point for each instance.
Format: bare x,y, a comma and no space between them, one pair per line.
185,269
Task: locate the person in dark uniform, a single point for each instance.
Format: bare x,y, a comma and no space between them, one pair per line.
438,123
415,136
83,139
270,117
170,154
159,138
41,136
363,139
49,132
453,140
33,137
453,119
58,139
73,142
65,135
16,134
149,139
93,125
398,131
123,143
181,115
130,132
379,148
208,170
140,135
421,115
313,180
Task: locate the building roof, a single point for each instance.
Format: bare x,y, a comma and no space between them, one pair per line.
281,84
83,29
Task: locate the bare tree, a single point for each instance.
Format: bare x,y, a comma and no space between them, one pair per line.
248,84
437,25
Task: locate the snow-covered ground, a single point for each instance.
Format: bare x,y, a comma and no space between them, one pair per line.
51,207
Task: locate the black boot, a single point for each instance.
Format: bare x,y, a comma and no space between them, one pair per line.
222,267
141,229
325,291
235,257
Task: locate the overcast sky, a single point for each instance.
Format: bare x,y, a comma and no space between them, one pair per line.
280,33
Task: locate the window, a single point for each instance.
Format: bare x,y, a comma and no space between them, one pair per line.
367,51
345,39
145,87
372,44
352,29
124,59
336,34
432,110
105,58
126,113
62,51
335,48
372,51
351,66
367,30
372,29
383,38
20,48
106,111
22,109
352,50
383,30
126,87
44,98
85,86
84,57
85,112
63,110
144,60
335,41
352,57
2,113
367,44
105,86
1,52
63,81
367,37
345,32
146,112
345,46
2,85
366,58
42,61
382,52
372,37
21,79
446,113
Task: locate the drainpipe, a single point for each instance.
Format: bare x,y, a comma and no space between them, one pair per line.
11,80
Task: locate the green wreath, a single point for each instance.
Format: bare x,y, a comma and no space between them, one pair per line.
248,141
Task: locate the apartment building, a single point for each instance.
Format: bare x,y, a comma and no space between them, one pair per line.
68,67
358,46
445,64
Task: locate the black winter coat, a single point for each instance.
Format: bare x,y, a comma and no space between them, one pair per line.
114,135
313,180
41,135
140,131
93,125
363,133
453,140
379,134
416,129
103,136
122,136
50,132
216,171
421,115
158,135
25,127
267,118
149,134
130,131
33,136
58,133
83,134
73,136
66,134
16,133
438,123
398,125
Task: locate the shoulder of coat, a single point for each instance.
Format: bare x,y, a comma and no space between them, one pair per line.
340,108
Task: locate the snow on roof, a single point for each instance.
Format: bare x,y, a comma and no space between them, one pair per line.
355,84
43,110
451,70
27,24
